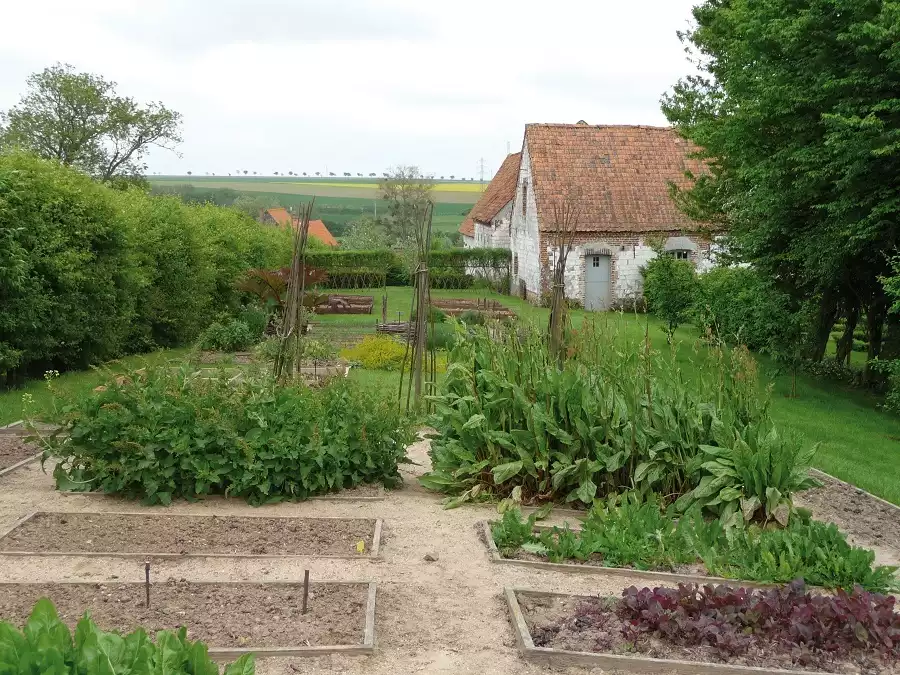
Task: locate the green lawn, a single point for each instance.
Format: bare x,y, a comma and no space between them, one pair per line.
859,442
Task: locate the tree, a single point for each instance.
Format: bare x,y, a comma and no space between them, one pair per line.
372,175
366,234
189,173
408,194
318,173
670,287
797,112
245,172
304,173
254,206
79,120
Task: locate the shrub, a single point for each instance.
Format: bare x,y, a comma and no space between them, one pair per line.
257,320
670,287
472,318
164,434
47,646
891,369
232,336
435,315
377,352
441,336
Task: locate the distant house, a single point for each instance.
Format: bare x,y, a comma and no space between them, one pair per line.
487,225
281,217
621,177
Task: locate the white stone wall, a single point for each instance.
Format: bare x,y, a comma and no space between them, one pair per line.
468,242
524,236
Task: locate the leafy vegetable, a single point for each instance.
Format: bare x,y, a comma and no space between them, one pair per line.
46,646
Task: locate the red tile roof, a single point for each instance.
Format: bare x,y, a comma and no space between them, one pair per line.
317,228
467,229
622,173
280,215
500,190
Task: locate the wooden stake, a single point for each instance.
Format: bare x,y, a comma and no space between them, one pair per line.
147,582
305,590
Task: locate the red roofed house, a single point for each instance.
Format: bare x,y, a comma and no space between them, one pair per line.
622,175
281,216
487,225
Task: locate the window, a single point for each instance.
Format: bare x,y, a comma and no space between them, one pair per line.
515,266
680,254
595,261
524,195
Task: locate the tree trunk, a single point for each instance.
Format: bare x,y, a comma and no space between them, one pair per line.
823,325
845,344
875,328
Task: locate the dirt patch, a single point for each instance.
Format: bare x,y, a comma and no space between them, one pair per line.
120,533
14,450
222,615
870,522
358,492
237,358
590,624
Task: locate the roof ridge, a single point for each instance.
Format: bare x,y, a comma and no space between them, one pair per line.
566,125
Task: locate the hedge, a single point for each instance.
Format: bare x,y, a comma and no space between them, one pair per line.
89,273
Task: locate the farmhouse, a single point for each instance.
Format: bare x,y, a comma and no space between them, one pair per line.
618,179
282,217
487,225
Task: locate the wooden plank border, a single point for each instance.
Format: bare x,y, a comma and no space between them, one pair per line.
229,653
647,575
12,429
615,662
373,554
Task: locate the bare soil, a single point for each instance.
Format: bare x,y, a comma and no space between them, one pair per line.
151,533
14,450
222,615
868,522
554,624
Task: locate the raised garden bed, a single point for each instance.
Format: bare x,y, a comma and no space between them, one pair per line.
691,574
168,536
232,618
346,304
570,630
15,453
457,306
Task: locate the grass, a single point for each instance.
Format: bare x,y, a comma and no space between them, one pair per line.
859,442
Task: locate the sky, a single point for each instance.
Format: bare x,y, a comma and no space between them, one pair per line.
358,85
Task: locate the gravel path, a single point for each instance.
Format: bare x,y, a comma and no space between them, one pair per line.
446,616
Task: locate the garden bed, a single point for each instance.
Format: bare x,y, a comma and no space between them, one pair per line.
570,630
863,516
346,304
457,306
15,452
145,534
232,618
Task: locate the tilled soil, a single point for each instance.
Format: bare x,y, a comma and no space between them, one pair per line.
222,615
151,533
554,624
869,522
13,450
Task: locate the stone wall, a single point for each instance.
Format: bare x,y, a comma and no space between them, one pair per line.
496,233
524,235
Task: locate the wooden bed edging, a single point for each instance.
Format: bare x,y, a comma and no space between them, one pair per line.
648,575
633,664
13,430
230,653
373,554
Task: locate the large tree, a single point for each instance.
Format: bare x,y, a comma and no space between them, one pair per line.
80,120
796,105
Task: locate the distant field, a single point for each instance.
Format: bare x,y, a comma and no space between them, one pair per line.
454,192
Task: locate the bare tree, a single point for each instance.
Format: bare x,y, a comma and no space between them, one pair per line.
566,214
407,193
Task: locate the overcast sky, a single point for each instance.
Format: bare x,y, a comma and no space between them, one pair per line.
358,85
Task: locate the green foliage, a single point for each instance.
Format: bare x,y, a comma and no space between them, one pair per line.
441,336
739,306
166,433
231,336
750,475
616,416
377,352
891,369
79,120
628,532
435,315
670,287
472,318
366,234
811,202
47,646
90,273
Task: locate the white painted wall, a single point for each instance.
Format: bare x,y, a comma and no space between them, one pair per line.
524,232
468,242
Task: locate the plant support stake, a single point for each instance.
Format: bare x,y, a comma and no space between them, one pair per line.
305,590
147,582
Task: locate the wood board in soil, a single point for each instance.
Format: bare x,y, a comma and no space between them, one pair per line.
691,575
232,618
15,452
530,611
167,536
869,520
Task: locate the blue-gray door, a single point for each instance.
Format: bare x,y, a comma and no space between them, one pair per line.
597,291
